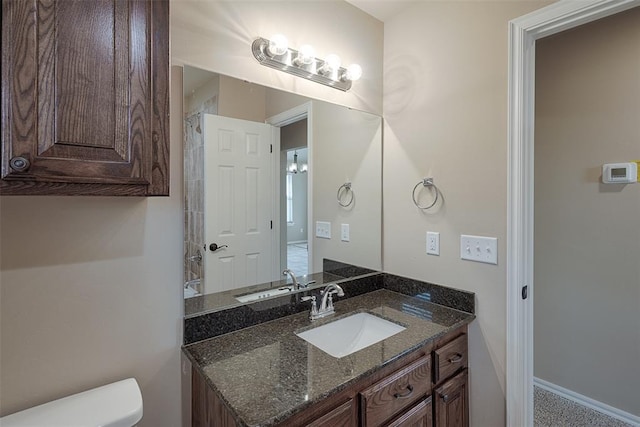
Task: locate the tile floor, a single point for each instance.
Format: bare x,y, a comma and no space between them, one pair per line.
551,410
298,258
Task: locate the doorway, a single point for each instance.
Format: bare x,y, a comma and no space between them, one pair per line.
523,33
296,145
295,197
587,233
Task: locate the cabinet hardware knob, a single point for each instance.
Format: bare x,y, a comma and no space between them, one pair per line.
456,358
19,164
406,394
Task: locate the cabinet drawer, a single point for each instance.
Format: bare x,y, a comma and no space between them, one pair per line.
418,416
449,358
396,392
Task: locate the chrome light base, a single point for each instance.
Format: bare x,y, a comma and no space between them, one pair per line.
286,63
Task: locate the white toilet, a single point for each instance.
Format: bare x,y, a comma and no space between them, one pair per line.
114,405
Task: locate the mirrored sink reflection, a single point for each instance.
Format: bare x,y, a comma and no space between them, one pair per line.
264,294
347,335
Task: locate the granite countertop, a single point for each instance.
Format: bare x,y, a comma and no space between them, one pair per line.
198,305
265,373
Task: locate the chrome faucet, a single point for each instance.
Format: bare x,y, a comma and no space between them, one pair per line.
296,285
326,304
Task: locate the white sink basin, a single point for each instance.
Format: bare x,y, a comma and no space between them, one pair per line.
348,335
264,294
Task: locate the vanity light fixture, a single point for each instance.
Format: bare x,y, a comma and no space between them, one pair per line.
276,53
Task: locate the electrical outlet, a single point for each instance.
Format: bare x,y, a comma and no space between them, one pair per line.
433,243
479,249
344,235
323,229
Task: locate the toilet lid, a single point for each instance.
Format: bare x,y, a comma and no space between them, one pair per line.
114,405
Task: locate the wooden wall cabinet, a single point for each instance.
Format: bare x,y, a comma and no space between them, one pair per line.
85,97
427,388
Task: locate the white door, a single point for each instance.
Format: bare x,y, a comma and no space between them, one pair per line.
239,203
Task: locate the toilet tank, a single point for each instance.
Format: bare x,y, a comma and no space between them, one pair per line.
114,405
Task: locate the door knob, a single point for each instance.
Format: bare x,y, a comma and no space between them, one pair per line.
214,247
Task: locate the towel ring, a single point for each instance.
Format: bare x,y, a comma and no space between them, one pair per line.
426,182
347,188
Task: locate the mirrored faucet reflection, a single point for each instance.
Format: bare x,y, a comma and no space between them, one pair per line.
296,285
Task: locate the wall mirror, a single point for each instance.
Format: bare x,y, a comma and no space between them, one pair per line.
274,181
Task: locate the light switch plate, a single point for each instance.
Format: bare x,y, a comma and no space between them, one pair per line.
344,232
433,243
323,229
479,249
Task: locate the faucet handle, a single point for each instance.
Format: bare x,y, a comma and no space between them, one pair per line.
314,308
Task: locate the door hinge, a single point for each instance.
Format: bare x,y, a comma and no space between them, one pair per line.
524,292
271,224
271,148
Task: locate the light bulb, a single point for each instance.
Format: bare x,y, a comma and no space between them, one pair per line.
331,64
278,45
354,72
306,55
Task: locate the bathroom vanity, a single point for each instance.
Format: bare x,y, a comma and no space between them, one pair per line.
266,375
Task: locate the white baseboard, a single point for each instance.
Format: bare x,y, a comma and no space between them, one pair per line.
588,402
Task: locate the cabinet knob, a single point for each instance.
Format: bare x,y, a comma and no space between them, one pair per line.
19,164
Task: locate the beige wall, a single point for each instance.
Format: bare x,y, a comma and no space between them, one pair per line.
445,106
217,36
209,90
242,100
587,234
90,294
346,147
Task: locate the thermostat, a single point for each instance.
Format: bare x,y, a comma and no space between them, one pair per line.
619,173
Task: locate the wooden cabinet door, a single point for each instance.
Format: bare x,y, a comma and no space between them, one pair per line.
418,416
452,402
344,415
207,410
85,97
